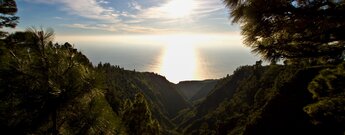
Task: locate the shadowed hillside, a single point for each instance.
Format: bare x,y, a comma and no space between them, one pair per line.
162,96
195,90
258,100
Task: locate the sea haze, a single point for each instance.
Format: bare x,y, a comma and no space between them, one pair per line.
188,58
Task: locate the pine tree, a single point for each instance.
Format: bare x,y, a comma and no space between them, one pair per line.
297,29
138,118
38,78
328,90
8,9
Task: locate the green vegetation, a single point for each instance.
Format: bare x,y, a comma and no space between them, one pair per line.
195,91
48,88
8,9
272,99
137,117
162,97
295,29
328,91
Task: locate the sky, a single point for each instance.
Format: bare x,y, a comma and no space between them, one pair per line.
111,17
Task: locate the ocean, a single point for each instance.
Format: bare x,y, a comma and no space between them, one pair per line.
178,58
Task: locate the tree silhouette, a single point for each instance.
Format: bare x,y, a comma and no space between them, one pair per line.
328,90
40,78
8,9
275,29
138,118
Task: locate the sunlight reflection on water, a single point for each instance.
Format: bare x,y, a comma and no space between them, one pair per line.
179,62
177,58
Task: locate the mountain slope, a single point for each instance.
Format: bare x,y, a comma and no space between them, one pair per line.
167,94
261,100
194,90
224,89
204,91
162,96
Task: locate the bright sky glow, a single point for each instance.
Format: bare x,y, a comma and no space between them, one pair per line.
179,8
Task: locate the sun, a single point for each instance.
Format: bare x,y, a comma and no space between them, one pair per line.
179,8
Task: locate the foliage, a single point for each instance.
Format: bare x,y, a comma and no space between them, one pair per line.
329,82
304,33
295,30
162,97
39,78
268,100
328,90
8,9
137,117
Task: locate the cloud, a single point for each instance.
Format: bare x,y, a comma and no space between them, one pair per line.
170,13
91,9
121,28
42,1
127,14
134,5
199,8
145,29
207,7
137,17
103,2
167,10
58,18
104,27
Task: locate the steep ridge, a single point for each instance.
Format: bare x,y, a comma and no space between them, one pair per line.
256,100
194,90
223,90
162,95
167,94
203,92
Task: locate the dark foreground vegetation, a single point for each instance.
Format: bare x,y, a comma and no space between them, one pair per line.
51,88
